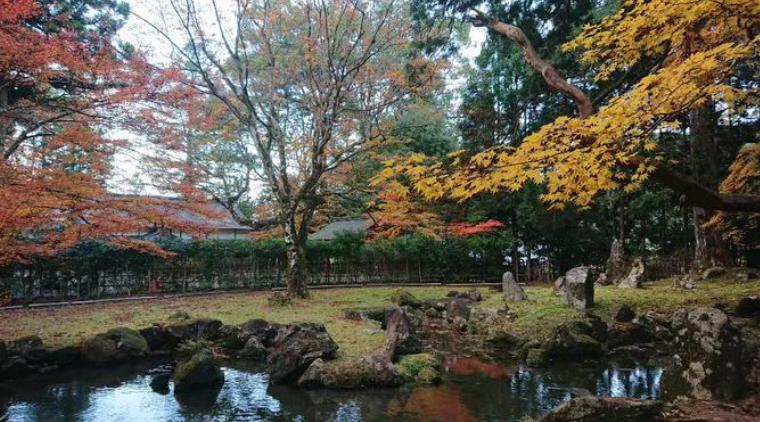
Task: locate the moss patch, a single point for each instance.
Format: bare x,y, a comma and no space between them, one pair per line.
422,368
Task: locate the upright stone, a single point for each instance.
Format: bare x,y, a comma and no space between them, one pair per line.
579,287
635,276
512,290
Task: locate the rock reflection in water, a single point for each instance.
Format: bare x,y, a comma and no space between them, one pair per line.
473,391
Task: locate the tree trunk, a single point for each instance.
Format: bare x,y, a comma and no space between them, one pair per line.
710,249
295,276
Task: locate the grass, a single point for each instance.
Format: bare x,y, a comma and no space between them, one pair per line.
68,325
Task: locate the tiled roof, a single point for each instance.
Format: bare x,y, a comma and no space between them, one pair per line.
342,225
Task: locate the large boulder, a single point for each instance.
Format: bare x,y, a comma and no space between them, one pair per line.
604,409
401,336
364,372
579,287
199,329
707,363
263,330
512,291
200,371
635,277
117,345
157,337
295,347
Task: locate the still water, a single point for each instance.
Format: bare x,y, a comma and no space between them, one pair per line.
472,390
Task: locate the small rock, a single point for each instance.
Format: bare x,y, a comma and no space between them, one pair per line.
253,349
459,324
259,328
352,315
200,329
160,384
684,281
231,337
402,297
156,337
625,314
179,316
199,372
713,273
458,308
432,313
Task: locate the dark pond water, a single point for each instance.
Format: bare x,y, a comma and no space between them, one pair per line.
472,391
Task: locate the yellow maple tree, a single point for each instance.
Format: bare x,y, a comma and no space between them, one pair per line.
616,146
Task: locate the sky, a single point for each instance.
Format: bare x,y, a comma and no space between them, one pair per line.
128,177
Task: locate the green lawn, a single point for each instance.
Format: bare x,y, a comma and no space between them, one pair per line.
68,325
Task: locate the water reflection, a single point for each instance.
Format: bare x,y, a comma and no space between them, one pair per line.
473,391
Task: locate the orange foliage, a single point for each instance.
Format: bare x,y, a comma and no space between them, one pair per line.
58,92
467,229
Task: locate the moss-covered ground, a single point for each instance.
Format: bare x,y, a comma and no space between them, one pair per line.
68,325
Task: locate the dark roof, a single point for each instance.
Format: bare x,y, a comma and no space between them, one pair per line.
217,218
342,225
222,220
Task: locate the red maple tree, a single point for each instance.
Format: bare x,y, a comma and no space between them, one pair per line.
61,88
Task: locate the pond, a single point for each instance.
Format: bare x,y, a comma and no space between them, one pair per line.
473,390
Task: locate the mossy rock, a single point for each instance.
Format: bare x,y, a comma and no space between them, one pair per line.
402,297
364,372
201,371
421,368
114,346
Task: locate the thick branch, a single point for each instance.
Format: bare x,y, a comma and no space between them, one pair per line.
547,71
698,195
694,193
